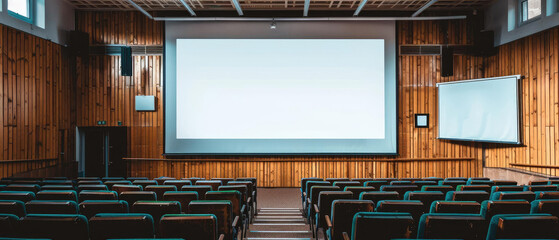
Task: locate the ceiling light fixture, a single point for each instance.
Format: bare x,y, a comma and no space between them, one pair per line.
273,26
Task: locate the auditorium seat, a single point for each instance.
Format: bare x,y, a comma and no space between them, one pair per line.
238,207
539,188
223,210
51,207
200,189
17,195
144,183
413,180
213,183
324,207
547,195
456,179
341,216
184,197
254,197
435,179
451,226
118,188
549,206
385,179
480,182
491,208
111,183
485,188
121,225
56,182
106,179
478,196
313,198
400,182
304,187
358,190
379,196
90,208
54,226
90,182
500,182
241,188
519,226
539,182
333,180
97,195
453,183
14,207
57,195
426,197
156,209
506,188
132,179
160,189
442,188
343,184
92,188
479,178
8,225
525,195
134,196
421,183
381,225
178,183
161,180
189,226
87,178
361,180
413,207
401,189
57,187
376,184
224,181
23,187
193,180
456,207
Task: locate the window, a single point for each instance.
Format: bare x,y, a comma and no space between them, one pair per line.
530,9
21,9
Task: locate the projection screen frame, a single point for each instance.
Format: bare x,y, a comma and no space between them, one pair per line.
518,110
396,67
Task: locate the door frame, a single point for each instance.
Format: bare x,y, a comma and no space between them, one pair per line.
80,146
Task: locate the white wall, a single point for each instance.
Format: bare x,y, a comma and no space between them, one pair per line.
501,17
60,17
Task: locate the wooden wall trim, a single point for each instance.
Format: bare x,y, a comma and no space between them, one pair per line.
27,160
341,159
534,165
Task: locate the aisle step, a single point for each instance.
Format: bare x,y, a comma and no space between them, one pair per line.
279,224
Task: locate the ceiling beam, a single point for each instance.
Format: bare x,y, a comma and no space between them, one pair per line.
424,7
140,9
306,8
237,6
192,13
359,8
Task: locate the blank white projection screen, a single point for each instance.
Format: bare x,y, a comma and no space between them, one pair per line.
480,110
280,89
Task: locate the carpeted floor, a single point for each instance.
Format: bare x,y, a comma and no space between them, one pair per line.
279,198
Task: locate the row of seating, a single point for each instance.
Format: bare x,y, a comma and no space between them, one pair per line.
230,201
324,195
113,226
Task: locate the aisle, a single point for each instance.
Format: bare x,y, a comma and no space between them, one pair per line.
279,216
279,223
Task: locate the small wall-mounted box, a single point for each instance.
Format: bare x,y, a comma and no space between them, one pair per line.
145,103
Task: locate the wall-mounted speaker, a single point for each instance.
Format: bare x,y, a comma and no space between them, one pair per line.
447,61
126,61
78,44
484,44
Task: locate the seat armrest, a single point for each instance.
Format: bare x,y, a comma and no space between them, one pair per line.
346,237
236,222
221,237
316,209
249,200
305,194
309,200
243,209
328,222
